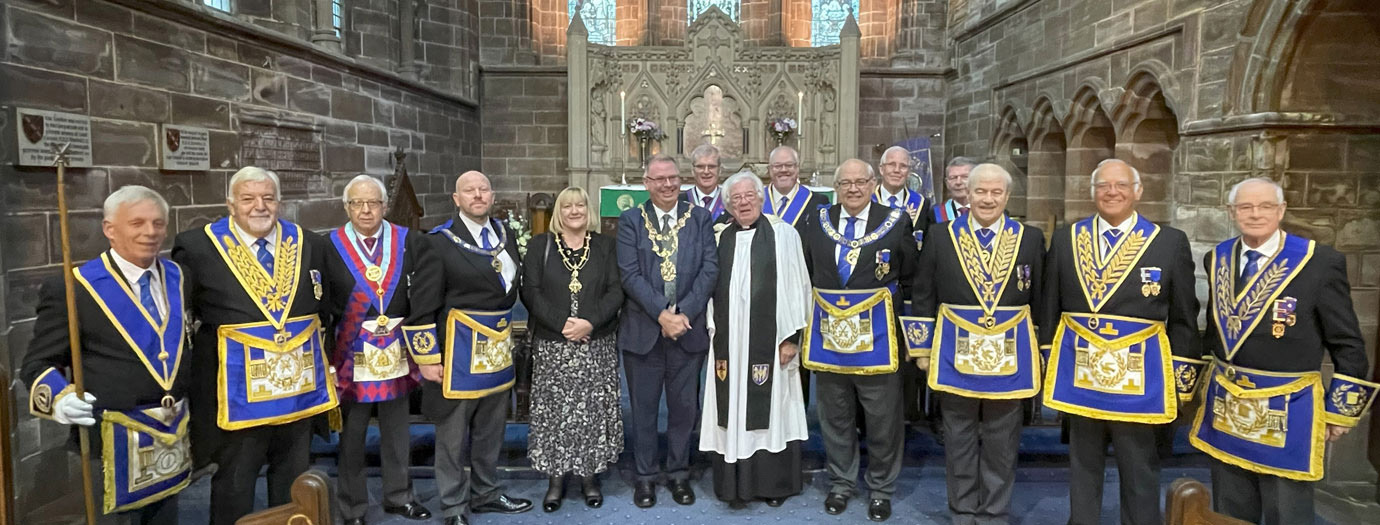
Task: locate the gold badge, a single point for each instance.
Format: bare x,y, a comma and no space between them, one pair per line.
668,271
721,369
382,328
374,273
43,400
497,264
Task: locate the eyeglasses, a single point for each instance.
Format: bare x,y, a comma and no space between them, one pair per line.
895,165
1119,186
849,184
783,166
706,166
661,180
357,205
1265,207
743,197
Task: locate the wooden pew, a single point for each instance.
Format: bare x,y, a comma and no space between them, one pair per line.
311,504
1188,502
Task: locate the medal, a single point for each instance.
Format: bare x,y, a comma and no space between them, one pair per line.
374,273
280,337
575,285
668,271
852,256
382,328
497,264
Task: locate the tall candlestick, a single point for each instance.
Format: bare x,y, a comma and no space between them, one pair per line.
800,114
623,112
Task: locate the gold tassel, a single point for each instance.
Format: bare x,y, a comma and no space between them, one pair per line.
333,420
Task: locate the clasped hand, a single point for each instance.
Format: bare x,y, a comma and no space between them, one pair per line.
577,330
673,325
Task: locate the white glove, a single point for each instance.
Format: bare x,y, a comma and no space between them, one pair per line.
70,410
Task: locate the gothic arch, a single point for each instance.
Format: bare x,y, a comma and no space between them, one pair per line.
1266,42
1011,149
1047,165
1091,139
1149,140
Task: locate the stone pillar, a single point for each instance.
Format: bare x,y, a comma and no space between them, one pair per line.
577,106
795,22
407,50
632,23
848,88
323,34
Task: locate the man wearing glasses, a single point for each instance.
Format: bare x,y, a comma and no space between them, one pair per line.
669,265
706,194
370,270
1119,311
892,191
1276,302
858,254
956,187
787,198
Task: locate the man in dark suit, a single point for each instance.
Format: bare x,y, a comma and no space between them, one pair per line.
470,293
860,256
667,256
130,314
1117,289
786,198
978,283
370,271
255,282
1276,303
893,171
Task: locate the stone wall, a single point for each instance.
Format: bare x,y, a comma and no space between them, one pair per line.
1191,93
133,65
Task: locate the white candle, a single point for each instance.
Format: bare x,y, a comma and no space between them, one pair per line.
623,112
800,113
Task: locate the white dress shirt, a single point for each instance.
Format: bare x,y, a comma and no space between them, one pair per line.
776,197
1103,226
252,242
133,273
859,227
1267,250
884,196
509,267
699,197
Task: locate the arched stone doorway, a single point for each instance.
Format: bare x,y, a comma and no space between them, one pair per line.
1091,139
1149,140
1011,150
1047,168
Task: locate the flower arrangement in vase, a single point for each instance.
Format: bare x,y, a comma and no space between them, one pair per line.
781,129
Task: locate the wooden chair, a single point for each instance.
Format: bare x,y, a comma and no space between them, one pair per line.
1189,503
311,504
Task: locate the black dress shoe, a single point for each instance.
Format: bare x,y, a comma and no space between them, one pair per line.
457,520
681,492
594,497
355,521
504,505
878,509
644,494
555,492
411,510
835,503
774,502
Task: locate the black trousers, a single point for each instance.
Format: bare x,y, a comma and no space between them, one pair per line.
394,453
286,448
1261,498
161,512
1137,463
669,369
838,398
469,433
981,440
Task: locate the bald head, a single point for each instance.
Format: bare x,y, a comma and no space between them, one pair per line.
473,195
853,184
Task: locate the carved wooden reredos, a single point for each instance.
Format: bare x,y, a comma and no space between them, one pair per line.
712,88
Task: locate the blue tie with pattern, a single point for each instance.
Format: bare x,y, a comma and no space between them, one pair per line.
845,267
985,236
265,257
1252,267
1111,236
146,297
487,245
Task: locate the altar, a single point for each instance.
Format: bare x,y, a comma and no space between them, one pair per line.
714,89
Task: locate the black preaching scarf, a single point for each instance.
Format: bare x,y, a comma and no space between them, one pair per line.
761,323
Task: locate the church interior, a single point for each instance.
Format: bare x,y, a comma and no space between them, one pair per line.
537,94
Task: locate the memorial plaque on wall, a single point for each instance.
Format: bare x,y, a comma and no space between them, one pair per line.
184,148
39,129
293,153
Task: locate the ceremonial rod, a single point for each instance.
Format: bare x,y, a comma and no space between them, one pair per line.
73,334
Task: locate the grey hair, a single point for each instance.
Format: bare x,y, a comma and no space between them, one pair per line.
895,149
705,150
360,179
795,155
982,170
742,176
960,161
871,172
1092,187
130,195
1279,190
253,174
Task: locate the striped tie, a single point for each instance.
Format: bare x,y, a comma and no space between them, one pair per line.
265,257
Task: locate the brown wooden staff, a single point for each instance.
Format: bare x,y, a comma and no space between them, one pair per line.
73,334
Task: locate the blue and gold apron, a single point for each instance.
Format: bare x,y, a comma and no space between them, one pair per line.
851,332
480,360
274,371
1105,366
145,455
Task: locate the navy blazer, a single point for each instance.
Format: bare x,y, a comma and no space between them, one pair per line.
697,268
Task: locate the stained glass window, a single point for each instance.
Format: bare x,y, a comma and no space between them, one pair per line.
222,5
599,17
729,7
828,18
337,15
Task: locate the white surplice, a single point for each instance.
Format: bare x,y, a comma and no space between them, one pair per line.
792,314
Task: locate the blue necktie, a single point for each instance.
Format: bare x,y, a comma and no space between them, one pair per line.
891,201
146,297
265,257
484,240
1111,236
1252,267
845,268
985,236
